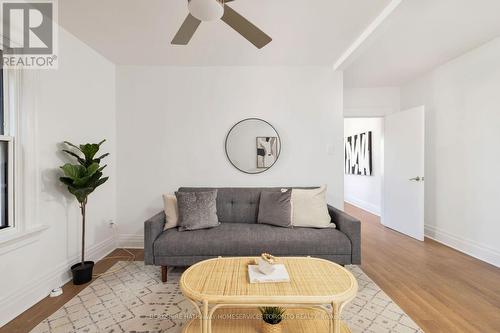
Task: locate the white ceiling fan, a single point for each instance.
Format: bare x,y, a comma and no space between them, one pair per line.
210,10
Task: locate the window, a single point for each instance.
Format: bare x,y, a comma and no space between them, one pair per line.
6,162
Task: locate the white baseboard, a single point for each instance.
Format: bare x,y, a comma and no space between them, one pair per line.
131,241
467,246
38,288
369,207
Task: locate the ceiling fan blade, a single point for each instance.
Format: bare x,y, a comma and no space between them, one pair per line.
186,31
245,28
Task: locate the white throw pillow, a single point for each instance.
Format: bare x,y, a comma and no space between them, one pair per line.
171,211
310,208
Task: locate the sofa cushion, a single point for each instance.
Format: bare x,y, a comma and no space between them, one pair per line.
171,211
275,208
197,210
243,239
310,209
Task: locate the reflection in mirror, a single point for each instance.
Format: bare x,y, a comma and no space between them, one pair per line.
253,145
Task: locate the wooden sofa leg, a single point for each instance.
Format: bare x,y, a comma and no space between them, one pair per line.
163,273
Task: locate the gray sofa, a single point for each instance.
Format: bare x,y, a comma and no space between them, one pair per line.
240,235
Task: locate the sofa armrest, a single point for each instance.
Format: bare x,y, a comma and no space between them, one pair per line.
351,227
152,229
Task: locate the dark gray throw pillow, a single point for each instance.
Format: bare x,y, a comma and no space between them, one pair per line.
275,208
197,210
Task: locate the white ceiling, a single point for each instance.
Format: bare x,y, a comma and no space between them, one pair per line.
138,32
419,36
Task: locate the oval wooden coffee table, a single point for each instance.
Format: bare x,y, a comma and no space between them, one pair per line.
227,302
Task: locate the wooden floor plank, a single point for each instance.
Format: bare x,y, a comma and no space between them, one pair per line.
443,290
26,321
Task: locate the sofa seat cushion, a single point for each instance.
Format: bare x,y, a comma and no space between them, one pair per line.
244,239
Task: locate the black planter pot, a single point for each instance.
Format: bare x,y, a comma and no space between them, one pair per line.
82,273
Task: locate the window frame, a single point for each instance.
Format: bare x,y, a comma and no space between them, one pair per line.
20,88
11,222
6,137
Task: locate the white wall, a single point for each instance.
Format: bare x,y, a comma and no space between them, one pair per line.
366,191
172,123
462,187
371,102
76,103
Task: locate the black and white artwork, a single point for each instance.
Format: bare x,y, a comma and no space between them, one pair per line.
267,151
358,154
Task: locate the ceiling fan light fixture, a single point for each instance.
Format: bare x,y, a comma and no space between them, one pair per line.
206,10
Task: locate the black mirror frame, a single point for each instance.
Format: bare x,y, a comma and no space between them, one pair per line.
263,170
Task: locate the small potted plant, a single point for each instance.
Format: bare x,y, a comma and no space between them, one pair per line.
81,179
272,318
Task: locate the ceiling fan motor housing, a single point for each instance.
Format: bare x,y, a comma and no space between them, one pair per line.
206,10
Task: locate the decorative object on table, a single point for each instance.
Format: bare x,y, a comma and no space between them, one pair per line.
358,154
267,270
267,151
278,275
267,263
271,319
253,146
81,180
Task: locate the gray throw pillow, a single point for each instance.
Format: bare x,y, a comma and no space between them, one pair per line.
275,208
197,210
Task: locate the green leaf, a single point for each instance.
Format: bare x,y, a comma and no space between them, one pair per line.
81,194
69,152
91,169
101,181
98,159
89,150
72,145
66,180
84,179
100,143
73,171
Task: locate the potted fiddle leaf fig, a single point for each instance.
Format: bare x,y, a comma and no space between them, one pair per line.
81,179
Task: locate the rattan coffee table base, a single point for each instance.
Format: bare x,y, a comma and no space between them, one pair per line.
231,320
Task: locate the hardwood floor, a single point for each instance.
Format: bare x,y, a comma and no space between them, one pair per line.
442,289
26,321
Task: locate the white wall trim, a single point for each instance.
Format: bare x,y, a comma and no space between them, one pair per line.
369,207
20,239
131,241
467,246
39,287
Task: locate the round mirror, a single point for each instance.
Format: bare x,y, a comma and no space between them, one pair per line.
253,145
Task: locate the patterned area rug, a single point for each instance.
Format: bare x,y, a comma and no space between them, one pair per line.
135,300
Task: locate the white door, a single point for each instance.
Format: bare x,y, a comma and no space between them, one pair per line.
403,200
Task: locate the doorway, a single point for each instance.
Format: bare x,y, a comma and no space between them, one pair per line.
363,189
384,168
